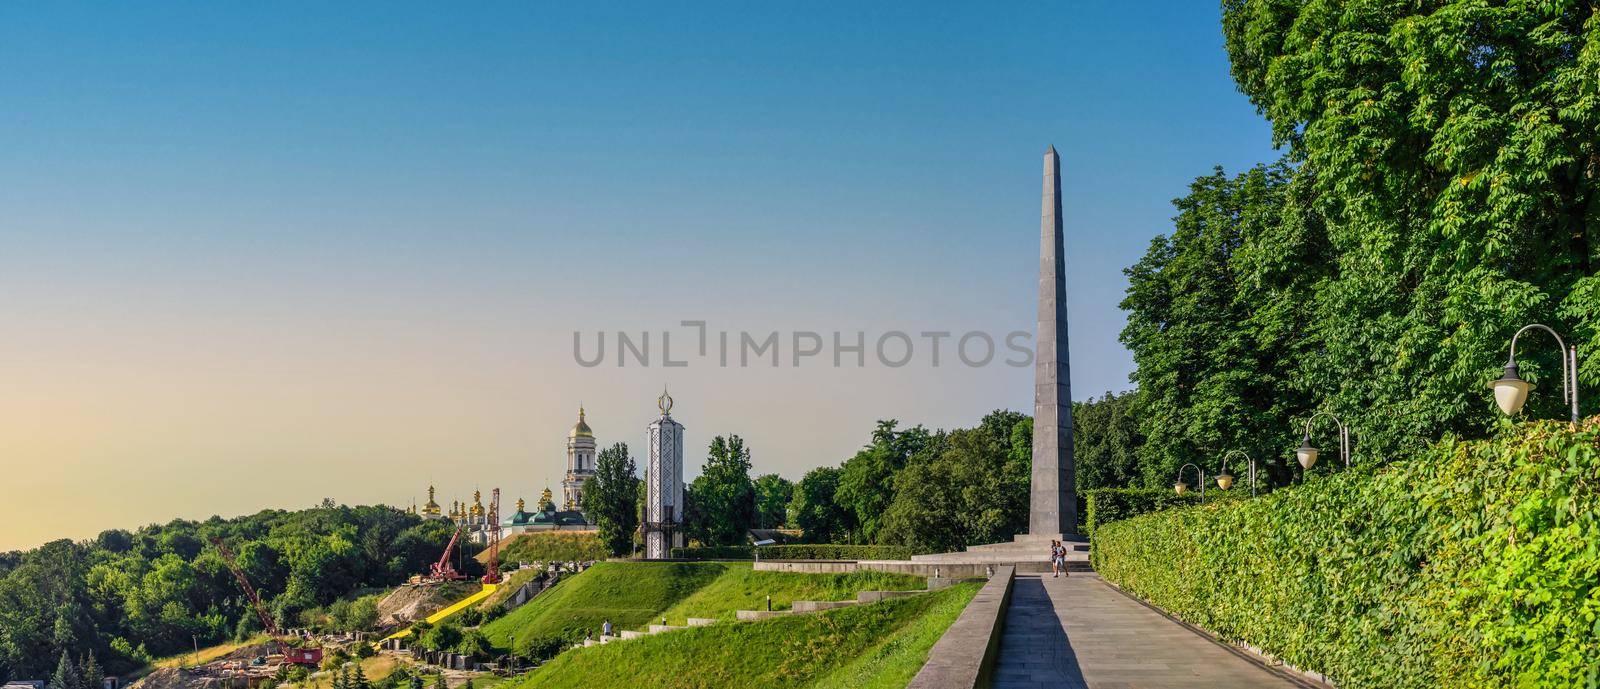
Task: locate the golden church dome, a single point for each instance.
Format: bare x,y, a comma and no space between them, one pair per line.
580,429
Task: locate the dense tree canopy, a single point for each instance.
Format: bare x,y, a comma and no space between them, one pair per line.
1451,149
611,498
126,597
773,493
722,499
1218,322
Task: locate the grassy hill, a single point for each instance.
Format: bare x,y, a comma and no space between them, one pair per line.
743,588
629,594
635,594
550,546
874,646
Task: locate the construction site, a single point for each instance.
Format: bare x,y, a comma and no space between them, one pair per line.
428,598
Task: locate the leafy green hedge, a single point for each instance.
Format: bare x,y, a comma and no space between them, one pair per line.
805,551
1476,564
1106,505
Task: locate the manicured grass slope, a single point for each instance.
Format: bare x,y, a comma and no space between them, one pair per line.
551,546
878,645
630,594
743,588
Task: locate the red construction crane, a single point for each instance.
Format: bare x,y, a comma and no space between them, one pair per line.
493,575
302,656
443,570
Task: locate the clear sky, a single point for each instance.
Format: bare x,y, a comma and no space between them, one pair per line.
258,254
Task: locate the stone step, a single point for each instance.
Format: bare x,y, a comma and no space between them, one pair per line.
815,605
630,634
590,642
752,615
658,628
701,621
875,596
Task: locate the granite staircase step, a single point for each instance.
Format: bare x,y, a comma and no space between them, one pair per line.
815,605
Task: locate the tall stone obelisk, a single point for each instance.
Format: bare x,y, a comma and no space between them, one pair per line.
1053,503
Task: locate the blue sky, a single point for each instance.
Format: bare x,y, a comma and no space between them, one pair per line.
362,235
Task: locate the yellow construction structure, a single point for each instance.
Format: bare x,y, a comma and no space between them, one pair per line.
440,616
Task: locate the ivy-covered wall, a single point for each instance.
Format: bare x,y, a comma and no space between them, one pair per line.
1474,564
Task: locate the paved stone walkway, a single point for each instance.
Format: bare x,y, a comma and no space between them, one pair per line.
1079,633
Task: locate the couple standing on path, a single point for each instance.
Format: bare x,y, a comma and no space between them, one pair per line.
1058,559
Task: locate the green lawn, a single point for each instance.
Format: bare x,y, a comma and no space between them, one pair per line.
550,546
878,645
892,664
743,588
630,594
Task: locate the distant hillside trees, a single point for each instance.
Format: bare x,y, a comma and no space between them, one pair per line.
128,596
610,498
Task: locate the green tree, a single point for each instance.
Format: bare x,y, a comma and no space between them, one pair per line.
722,499
610,498
444,637
1218,316
415,682
1450,146
358,678
1105,442
813,509
440,683
90,675
773,493
866,480
967,487
474,643
66,674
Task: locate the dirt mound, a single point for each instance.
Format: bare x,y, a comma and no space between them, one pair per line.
249,652
175,678
410,603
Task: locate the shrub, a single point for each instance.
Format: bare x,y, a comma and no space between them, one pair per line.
1473,565
539,649
1106,505
807,551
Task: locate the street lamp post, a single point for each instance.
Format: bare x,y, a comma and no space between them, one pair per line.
1511,391
1307,455
1180,487
1225,480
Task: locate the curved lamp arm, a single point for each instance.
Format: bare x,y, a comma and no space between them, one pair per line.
1569,365
1248,458
1344,434
1198,471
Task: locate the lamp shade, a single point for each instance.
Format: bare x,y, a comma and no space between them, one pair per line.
1224,480
1510,390
1180,487
1306,454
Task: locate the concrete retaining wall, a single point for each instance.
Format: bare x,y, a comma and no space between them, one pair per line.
964,657
921,569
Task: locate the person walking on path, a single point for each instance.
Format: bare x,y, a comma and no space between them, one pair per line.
1055,562
605,629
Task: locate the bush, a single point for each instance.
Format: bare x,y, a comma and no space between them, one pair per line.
1106,505
808,551
1473,565
539,649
